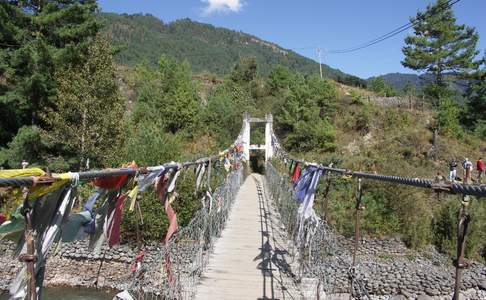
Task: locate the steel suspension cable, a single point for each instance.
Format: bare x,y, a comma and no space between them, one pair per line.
450,187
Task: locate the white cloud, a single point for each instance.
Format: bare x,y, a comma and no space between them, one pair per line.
222,6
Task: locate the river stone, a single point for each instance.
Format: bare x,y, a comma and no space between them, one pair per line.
432,292
343,296
424,297
482,284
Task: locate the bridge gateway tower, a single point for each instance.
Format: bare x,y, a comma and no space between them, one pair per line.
267,147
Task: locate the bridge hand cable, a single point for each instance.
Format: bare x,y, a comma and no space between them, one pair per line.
450,187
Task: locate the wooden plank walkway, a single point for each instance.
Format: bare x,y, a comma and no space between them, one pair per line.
249,259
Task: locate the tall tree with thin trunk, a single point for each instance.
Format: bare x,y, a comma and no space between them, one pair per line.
89,108
440,46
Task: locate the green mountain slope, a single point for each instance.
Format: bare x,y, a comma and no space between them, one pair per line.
206,47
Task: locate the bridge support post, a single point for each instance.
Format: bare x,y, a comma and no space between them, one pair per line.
462,227
246,136
268,136
357,238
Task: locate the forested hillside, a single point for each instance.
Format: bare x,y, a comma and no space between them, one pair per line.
207,48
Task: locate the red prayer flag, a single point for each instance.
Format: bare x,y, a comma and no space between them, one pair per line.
172,216
113,182
296,174
161,188
113,230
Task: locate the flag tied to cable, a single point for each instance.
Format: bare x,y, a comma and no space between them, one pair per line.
305,190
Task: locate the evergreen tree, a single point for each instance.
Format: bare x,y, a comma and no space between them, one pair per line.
409,90
279,78
245,71
37,38
439,46
324,94
302,119
475,118
447,118
89,109
379,86
167,94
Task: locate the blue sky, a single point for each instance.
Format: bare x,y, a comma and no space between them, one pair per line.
329,24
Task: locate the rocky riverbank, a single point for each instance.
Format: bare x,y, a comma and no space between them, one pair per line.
75,266
386,267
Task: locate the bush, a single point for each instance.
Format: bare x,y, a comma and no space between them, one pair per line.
447,119
312,136
28,144
480,130
147,144
303,118
357,97
363,120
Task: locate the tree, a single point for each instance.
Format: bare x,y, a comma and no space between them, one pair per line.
324,94
409,90
28,144
245,71
279,78
475,118
169,94
89,108
439,46
38,38
447,117
221,117
303,119
379,86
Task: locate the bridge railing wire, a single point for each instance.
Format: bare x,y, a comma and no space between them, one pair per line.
440,186
178,268
182,259
316,246
319,232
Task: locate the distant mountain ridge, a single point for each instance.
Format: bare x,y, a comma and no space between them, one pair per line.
207,48
400,80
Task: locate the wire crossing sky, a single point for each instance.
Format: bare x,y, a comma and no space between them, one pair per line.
305,25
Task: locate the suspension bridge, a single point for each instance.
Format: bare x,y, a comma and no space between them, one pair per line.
255,237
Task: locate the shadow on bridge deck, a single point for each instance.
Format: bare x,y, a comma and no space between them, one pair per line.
273,255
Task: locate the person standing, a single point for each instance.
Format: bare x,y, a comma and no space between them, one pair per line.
24,164
480,168
467,166
452,170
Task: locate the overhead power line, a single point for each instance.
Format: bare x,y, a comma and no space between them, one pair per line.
396,31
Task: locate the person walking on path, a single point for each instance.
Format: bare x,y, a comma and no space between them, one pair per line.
467,166
452,170
480,168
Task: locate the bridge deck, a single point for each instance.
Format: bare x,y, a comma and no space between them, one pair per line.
249,260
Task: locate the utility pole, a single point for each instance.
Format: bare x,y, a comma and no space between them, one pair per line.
320,63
